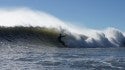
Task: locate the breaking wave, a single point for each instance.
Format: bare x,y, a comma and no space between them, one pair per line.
25,26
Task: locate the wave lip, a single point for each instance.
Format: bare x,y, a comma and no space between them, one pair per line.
28,17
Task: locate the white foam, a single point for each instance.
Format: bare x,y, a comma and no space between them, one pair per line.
28,17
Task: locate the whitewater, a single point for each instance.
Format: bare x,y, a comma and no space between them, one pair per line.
29,40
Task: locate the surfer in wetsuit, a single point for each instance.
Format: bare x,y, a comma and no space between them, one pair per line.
60,39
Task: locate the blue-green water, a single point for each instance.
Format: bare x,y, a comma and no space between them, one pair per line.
51,58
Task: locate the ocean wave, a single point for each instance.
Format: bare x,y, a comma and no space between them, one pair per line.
49,36
34,27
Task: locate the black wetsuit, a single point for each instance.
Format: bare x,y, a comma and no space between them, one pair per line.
60,39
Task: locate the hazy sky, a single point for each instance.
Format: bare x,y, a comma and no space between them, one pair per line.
97,14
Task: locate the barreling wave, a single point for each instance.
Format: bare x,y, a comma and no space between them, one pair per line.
24,26
49,36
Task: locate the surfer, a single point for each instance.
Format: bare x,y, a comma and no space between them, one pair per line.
60,39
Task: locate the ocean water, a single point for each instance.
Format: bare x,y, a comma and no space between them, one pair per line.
51,58
36,44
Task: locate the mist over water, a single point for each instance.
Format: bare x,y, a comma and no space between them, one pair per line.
75,37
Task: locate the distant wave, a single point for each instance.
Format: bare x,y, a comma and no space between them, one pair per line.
25,26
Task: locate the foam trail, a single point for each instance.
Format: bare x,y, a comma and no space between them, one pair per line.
76,37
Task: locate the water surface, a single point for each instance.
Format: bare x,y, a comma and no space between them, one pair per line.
51,58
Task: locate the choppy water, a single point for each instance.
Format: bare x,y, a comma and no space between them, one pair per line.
32,58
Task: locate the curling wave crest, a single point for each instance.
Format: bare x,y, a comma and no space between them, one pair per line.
26,26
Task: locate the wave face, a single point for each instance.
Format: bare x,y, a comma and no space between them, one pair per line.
25,26
49,36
